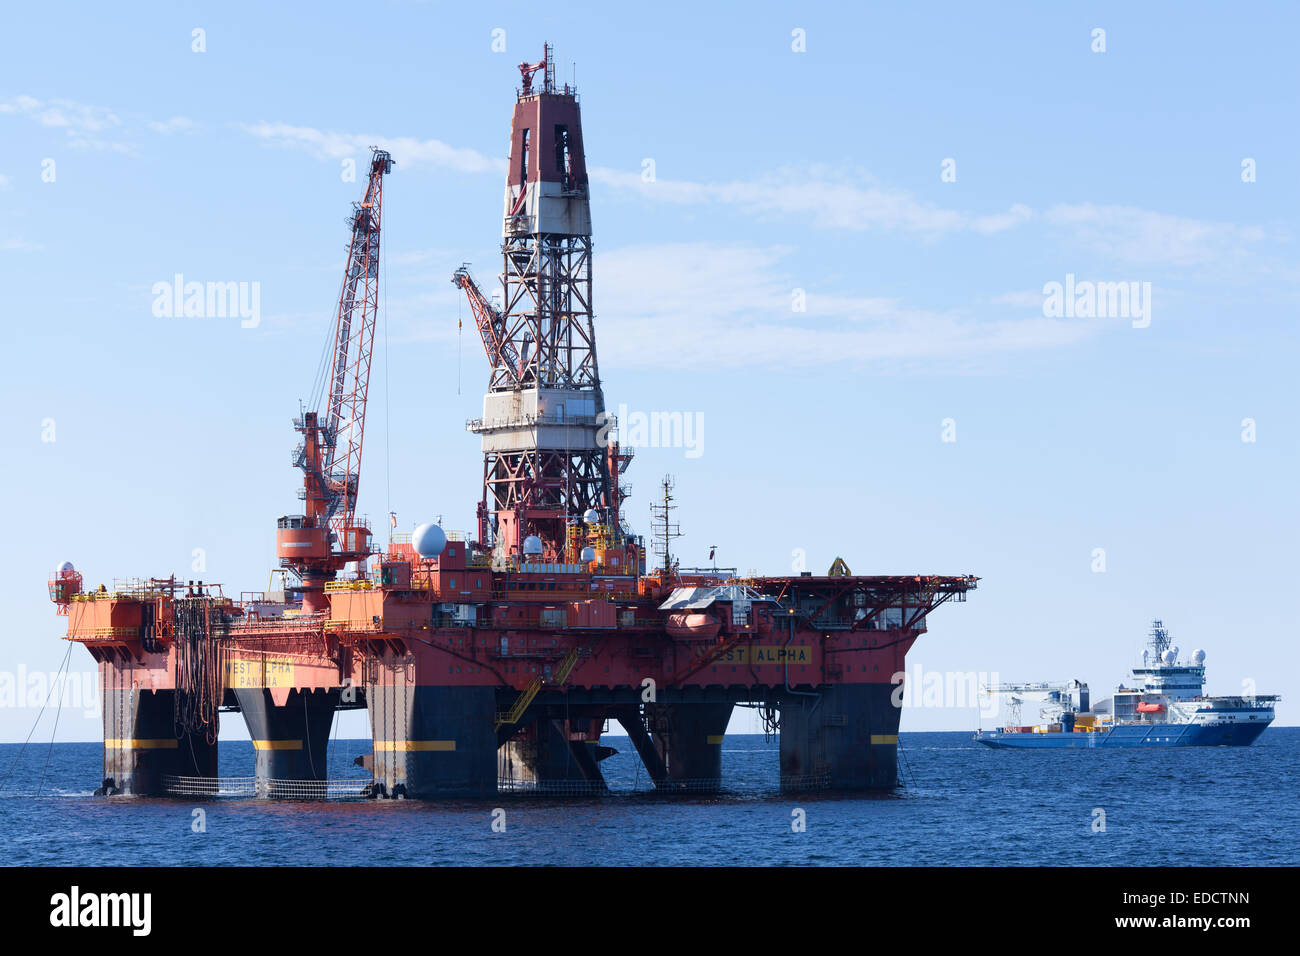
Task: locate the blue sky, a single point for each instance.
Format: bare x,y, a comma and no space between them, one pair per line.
775,171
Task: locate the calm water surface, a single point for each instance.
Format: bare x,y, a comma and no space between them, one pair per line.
962,804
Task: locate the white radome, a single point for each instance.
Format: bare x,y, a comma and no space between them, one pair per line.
588,553
66,568
591,516
1169,656
532,544
428,540
1198,655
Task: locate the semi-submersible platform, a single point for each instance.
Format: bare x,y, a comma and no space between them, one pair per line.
498,658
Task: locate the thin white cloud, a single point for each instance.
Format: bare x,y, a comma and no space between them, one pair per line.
828,199
999,222
1141,236
721,304
177,124
87,126
1023,298
326,144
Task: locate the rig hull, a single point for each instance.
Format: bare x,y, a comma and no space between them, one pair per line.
519,697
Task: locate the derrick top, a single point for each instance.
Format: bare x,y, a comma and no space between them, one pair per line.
546,176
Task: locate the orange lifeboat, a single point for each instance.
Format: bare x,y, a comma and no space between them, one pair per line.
692,625
1150,708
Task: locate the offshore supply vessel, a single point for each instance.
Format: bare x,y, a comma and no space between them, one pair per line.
494,660
1162,705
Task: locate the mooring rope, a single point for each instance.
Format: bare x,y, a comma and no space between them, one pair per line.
66,656
57,713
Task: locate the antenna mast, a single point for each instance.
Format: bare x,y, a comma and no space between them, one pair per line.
665,529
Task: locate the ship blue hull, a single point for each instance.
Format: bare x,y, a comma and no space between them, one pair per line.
1133,735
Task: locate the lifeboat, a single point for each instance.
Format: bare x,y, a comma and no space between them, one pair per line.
693,625
1150,708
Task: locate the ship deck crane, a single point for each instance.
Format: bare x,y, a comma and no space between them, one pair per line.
1059,696
318,544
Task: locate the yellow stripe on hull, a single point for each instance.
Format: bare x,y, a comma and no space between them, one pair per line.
137,743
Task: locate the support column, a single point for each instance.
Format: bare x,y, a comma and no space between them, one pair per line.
844,739
689,738
290,739
630,718
543,756
430,741
141,745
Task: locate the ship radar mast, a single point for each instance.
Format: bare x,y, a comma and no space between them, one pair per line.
1158,642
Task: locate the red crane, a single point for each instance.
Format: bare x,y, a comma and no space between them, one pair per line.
316,545
526,71
501,352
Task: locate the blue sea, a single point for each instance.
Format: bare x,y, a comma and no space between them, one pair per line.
962,804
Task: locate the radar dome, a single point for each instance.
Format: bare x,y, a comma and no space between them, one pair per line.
1169,656
591,516
66,568
428,540
1175,650
1198,655
588,553
532,544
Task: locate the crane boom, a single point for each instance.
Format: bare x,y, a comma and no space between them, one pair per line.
318,544
354,336
501,352
526,71
1037,687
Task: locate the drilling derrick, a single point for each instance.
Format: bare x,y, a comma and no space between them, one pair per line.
548,462
318,544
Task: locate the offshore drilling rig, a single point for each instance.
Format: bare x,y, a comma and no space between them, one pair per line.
497,659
